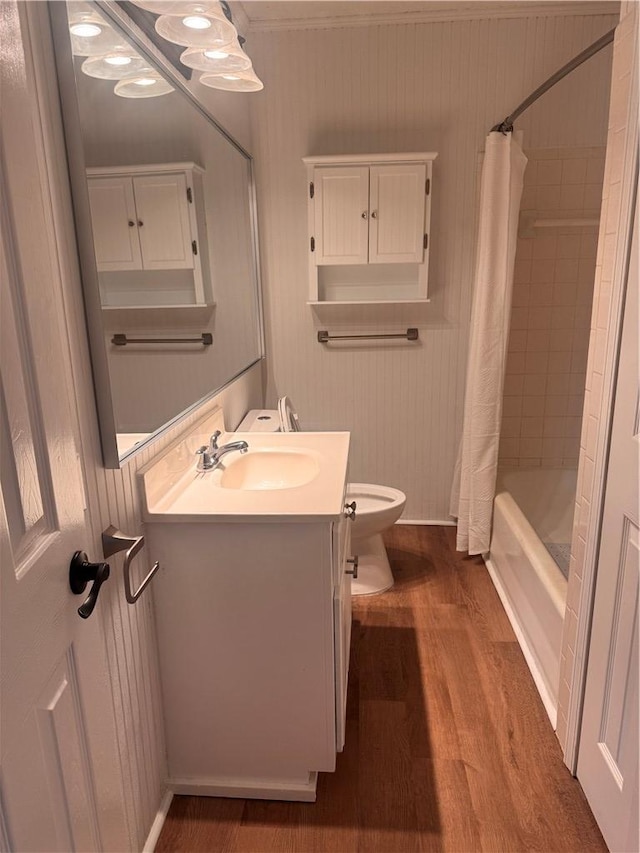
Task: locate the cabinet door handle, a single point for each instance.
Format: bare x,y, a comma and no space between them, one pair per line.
350,510
364,214
374,214
354,570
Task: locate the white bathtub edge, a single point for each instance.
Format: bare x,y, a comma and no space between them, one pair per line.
534,549
538,678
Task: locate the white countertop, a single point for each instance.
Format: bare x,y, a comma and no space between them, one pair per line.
191,496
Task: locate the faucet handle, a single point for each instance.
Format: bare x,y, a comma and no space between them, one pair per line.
205,462
213,441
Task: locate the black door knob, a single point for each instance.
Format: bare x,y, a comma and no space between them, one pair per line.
81,571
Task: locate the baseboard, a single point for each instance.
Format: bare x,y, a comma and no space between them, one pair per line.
250,789
536,674
435,522
158,823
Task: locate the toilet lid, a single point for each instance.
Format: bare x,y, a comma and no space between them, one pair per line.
288,416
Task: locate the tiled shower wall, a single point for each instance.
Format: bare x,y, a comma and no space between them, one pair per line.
552,297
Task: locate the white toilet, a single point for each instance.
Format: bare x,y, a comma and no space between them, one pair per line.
378,507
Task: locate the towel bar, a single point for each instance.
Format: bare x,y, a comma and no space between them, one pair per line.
119,340
324,336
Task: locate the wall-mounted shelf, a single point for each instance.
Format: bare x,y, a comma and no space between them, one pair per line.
532,223
369,227
155,316
370,302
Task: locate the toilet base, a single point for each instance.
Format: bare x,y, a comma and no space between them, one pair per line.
374,571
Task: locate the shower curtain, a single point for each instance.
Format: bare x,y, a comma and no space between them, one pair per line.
477,464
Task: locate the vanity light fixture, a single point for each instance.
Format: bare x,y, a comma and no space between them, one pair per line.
197,30
213,45
150,85
115,66
94,38
221,60
85,30
237,81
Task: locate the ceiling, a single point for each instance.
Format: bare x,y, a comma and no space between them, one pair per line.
294,14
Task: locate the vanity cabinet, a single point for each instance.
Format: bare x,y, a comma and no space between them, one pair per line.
369,220
254,627
149,230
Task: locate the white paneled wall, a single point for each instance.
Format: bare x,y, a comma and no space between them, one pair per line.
406,87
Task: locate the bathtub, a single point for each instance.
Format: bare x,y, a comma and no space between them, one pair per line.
532,507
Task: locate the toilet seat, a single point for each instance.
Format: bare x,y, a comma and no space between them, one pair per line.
289,421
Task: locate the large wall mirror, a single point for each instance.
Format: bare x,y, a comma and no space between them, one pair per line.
165,217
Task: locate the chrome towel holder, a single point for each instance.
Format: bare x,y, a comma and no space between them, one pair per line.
114,541
410,335
120,340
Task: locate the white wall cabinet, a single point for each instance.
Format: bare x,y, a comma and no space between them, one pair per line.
254,627
150,235
369,220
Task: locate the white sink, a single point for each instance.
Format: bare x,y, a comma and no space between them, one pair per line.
299,476
269,468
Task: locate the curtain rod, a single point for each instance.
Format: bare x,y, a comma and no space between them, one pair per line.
506,126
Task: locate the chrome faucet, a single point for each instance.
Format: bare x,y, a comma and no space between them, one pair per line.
210,457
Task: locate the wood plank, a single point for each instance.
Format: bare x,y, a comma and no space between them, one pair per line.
448,745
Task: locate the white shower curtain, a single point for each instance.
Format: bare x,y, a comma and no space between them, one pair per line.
476,467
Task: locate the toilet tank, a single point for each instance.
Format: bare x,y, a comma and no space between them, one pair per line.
260,420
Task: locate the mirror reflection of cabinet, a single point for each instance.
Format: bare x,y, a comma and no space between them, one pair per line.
150,235
369,219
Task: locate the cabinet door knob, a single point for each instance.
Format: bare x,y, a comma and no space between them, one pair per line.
140,223
131,223
374,214
354,570
350,510
365,215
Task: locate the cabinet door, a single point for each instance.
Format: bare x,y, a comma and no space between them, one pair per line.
341,625
341,215
396,233
163,221
113,218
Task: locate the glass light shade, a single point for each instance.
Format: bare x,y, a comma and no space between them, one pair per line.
142,86
237,81
196,30
216,60
115,65
92,36
181,8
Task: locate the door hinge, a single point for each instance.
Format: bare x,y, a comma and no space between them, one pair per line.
194,247
425,242
313,244
427,186
189,195
312,190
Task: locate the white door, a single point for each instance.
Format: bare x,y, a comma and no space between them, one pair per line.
115,224
341,215
396,231
163,221
59,777
608,755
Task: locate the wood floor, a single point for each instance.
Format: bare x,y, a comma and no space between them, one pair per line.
448,745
